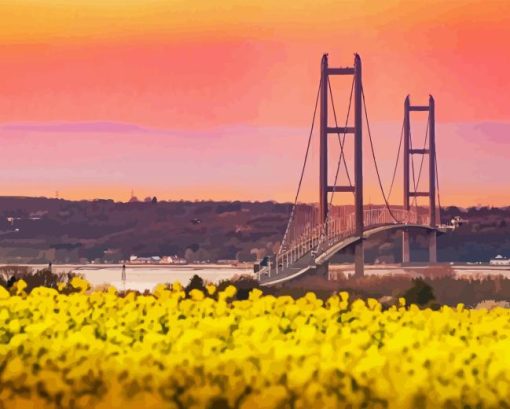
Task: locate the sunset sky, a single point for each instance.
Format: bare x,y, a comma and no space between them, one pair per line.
213,99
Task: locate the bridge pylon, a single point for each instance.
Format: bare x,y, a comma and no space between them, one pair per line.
409,151
356,131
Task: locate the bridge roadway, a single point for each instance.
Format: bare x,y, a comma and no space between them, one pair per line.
308,261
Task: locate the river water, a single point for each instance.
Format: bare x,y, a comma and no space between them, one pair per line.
146,277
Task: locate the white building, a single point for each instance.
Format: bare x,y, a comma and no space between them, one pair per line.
499,260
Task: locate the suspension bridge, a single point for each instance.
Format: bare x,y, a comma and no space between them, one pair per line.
315,233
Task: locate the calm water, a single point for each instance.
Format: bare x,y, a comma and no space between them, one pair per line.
140,277
144,277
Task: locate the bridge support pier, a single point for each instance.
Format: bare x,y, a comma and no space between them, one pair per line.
406,247
322,270
359,260
432,247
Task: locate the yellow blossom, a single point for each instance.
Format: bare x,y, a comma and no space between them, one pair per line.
4,293
211,289
20,286
108,350
80,284
196,295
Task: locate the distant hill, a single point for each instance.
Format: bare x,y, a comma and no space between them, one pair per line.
41,230
38,230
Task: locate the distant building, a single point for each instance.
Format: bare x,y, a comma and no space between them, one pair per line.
141,260
172,260
156,260
167,260
457,221
38,214
499,260
180,260
233,262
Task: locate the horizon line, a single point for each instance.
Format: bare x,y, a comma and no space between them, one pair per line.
477,206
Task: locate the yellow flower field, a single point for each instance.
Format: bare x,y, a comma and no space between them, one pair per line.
102,350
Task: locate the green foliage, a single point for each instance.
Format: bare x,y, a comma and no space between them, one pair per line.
420,293
243,284
41,278
195,283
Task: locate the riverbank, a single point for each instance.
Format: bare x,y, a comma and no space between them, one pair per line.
143,277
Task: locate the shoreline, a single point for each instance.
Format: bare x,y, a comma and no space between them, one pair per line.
131,266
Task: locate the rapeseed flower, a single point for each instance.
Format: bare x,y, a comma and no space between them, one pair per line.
101,349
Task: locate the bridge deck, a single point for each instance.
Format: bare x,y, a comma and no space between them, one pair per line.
300,267
304,264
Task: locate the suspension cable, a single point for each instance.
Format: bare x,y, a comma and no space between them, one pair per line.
341,141
302,169
374,158
396,162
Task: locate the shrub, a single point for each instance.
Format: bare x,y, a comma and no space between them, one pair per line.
420,293
195,283
243,283
41,278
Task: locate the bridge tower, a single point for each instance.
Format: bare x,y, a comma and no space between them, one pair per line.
431,194
325,130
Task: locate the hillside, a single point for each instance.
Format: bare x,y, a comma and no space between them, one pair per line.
38,230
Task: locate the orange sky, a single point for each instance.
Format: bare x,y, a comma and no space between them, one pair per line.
202,66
